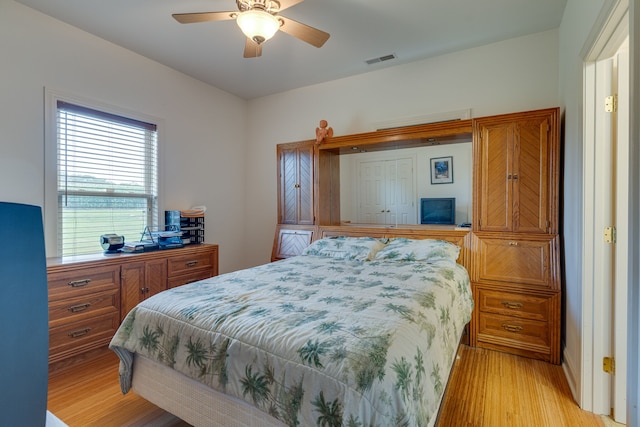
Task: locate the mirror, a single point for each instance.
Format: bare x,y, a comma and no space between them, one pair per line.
386,186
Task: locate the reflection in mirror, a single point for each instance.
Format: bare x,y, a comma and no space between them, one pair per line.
385,187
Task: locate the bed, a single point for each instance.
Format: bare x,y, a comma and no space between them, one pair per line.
356,331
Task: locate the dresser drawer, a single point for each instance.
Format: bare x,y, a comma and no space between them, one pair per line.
83,281
514,332
513,304
74,309
189,263
189,278
76,337
514,260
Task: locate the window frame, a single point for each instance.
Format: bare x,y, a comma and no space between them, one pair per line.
51,196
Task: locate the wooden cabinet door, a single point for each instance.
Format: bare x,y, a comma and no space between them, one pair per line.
496,191
155,276
517,261
515,172
290,242
296,184
140,280
133,286
531,174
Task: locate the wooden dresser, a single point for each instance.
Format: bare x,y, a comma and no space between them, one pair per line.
90,295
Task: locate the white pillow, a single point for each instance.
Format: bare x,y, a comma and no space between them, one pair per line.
430,250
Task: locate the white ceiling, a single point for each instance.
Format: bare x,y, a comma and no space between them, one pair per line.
360,30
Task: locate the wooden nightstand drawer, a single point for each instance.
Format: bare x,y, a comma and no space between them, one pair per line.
74,309
189,263
83,281
513,304
514,332
76,337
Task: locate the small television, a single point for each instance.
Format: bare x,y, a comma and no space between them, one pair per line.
441,210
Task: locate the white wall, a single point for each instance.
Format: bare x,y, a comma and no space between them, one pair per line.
203,145
514,75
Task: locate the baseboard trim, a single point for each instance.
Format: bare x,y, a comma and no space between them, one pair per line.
570,372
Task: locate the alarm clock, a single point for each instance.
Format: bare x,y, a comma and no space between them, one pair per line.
111,243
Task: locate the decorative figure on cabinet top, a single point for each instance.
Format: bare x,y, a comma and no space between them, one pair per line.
323,132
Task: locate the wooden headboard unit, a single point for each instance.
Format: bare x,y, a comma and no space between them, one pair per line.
447,233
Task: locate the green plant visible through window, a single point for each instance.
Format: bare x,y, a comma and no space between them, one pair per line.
107,177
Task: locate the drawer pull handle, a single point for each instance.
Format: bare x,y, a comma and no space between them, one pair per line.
79,283
512,305
513,243
511,328
191,263
79,307
79,333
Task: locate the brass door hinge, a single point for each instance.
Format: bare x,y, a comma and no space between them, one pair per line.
610,234
611,104
609,365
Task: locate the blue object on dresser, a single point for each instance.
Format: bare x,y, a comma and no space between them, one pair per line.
24,317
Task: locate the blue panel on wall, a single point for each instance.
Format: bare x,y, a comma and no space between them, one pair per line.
24,317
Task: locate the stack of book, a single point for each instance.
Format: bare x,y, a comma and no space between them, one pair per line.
132,247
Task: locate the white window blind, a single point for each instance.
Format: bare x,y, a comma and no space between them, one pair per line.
107,177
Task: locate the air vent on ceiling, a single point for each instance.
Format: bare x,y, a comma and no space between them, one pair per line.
381,59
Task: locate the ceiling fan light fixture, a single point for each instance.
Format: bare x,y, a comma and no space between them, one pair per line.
258,25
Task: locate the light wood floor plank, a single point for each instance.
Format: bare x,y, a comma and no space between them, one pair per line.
493,389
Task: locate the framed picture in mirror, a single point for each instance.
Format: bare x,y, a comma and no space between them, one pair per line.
442,170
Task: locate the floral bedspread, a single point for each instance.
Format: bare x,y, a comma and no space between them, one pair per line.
312,340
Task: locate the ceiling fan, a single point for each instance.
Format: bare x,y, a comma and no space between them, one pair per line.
259,21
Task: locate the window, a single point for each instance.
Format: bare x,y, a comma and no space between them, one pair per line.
106,177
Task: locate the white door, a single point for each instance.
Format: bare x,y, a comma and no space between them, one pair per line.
602,262
373,187
386,192
621,222
400,193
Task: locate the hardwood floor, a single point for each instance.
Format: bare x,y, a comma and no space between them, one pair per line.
493,389
487,388
88,395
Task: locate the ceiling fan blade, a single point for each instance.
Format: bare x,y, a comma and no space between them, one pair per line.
285,4
252,49
308,34
190,18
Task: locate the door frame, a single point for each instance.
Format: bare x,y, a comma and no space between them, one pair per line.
633,307
606,38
